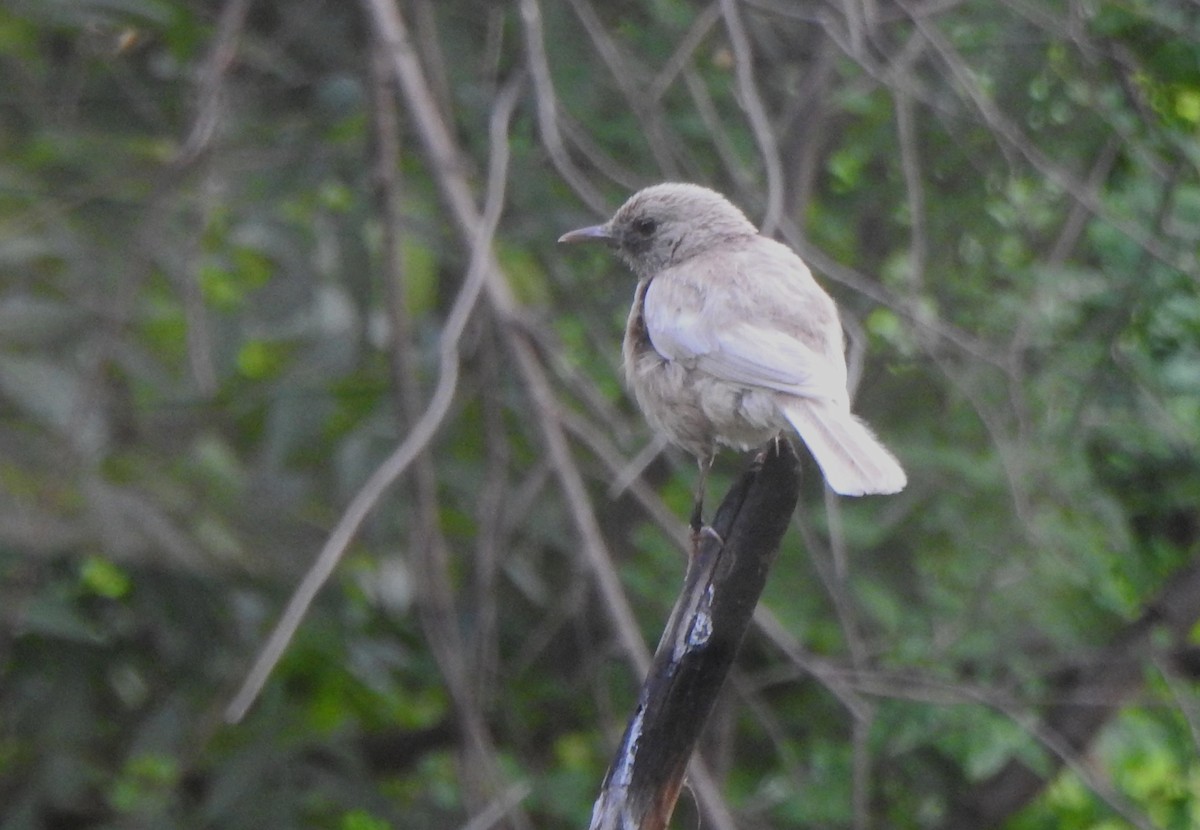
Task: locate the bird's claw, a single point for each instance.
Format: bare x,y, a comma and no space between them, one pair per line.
699,533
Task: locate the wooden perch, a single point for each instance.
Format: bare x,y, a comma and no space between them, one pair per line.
723,583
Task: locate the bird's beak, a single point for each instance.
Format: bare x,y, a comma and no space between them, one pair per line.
596,233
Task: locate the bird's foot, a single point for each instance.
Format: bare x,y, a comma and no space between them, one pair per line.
699,534
760,457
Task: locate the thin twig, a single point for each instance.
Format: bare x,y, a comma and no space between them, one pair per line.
618,469
654,129
682,56
632,470
579,505
500,807
492,520
1088,773
823,670
1185,697
605,164
208,111
860,770
442,149
914,188
1010,136
727,151
420,436
480,775
756,112
546,106
438,142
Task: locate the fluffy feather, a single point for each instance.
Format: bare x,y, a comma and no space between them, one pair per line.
851,458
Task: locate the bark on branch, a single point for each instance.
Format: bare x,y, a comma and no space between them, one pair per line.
724,580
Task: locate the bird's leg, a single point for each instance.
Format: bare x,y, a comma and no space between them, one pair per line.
774,444
705,464
760,457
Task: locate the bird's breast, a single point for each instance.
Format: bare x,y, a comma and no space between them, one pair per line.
695,410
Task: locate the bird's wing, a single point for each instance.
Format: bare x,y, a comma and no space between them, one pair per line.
749,317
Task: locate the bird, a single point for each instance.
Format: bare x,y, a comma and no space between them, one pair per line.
730,340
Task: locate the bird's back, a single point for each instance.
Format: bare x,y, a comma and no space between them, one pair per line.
751,305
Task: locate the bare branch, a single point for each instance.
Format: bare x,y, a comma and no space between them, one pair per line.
682,56
220,56
1084,699
442,149
626,475
910,163
822,669
546,105
717,132
726,574
654,129
604,163
1010,136
579,504
503,805
756,112
422,432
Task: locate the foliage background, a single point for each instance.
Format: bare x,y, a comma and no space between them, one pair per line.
231,238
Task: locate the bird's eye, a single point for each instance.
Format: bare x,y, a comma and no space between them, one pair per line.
645,227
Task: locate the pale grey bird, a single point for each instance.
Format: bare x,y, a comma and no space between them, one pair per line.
730,339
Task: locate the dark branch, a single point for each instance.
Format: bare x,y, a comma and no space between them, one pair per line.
723,583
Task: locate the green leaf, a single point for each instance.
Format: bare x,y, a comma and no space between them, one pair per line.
102,577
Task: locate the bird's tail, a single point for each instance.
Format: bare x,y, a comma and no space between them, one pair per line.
852,459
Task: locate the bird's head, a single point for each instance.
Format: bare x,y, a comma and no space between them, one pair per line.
667,224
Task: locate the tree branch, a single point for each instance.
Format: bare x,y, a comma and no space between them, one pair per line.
723,583
418,438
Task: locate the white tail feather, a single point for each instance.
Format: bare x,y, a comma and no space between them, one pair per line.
852,459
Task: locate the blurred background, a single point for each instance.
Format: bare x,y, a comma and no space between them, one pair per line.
250,248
